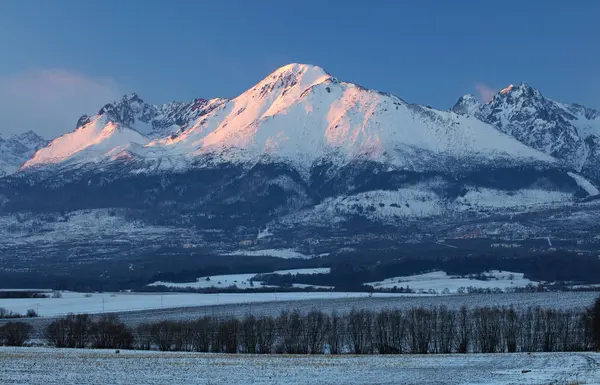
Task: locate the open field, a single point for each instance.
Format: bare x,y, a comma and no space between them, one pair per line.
183,305
271,304
72,302
559,300
58,366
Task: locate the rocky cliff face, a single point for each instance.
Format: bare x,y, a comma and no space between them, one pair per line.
568,132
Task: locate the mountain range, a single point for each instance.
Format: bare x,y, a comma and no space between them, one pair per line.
303,155
17,149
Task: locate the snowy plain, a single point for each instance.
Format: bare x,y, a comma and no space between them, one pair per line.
241,281
440,281
277,253
72,302
60,366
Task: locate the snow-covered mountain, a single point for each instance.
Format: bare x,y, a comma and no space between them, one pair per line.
302,161
17,149
302,148
568,132
299,114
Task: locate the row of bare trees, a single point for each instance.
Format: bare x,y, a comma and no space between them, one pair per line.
436,330
433,330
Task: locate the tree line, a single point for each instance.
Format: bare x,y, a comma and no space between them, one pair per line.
433,330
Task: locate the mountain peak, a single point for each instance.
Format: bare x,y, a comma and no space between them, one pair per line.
300,68
466,105
29,135
16,149
295,74
514,92
507,89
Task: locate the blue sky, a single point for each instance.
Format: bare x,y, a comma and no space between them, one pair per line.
63,58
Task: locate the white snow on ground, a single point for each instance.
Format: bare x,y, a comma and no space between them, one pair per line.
497,199
72,302
440,281
379,204
277,253
584,184
93,224
82,367
241,281
421,201
317,270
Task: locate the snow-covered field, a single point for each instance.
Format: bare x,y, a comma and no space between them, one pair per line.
277,253
442,282
72,302
241,281
139,308
58,366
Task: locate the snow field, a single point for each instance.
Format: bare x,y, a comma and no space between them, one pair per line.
72,302
60,366
442,282
241,281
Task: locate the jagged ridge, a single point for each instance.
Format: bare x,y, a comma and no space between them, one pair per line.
299,114
17,149
569,132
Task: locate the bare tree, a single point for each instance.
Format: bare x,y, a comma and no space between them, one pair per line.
359,325
487,327
248,335
227,336
419,330
202,333
464,330
510,330
595,327
265,334
527,335
317,327
15,333
78,330
292,333
446,330
163,335
143,337
335,337
56,333
110,333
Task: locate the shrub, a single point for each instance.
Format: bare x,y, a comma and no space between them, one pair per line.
15,333
69,332
110,333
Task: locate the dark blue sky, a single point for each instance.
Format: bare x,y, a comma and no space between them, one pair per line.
72,55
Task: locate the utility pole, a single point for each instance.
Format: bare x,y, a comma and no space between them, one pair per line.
161,301
102,305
